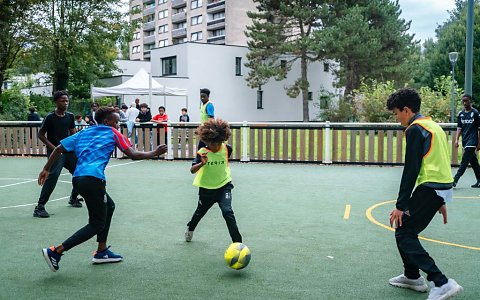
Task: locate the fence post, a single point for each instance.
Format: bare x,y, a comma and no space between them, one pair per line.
245,129
169,141
326,151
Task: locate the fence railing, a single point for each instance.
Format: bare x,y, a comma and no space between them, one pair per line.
342,143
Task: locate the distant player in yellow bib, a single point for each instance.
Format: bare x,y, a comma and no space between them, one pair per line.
213,176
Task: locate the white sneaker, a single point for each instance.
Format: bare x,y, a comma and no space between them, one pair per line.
446,291
188,235
402,281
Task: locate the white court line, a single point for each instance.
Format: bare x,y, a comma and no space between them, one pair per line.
32,180
58,199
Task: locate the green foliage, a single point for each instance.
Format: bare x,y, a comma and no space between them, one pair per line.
370,101
451,38
43,104
369,40
436,103
342,111
13,105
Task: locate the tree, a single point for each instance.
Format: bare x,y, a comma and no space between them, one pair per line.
369,40
451,37
283,31
14,33
76,42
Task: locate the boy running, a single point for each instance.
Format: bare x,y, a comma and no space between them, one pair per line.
57,125
427,166
93,147
213,176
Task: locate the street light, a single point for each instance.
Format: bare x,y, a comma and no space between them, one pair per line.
453,59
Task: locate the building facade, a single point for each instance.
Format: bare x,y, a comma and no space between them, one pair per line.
170,22
221,68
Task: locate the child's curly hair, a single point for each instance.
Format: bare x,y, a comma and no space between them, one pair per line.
214,131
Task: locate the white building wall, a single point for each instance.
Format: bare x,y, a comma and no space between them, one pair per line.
213,67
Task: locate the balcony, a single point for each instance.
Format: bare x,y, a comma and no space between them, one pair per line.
179,33
146,55
148,1
216,24
149,26
179,3
179,17
219,39
149,39
149,11
216,7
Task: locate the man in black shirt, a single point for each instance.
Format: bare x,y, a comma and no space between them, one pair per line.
57,125
33,115
468,121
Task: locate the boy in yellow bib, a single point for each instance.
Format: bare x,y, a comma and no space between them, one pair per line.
213,176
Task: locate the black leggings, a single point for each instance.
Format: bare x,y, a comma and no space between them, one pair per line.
100,210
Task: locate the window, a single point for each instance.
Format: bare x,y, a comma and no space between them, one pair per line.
162,43
196,20
163,14
260,98
180,41
283,65
136,36
149,33
326,67
149,19
238,66
181,25
169,66
149,5
179,10
148,47
136,9
163,28
196,4
197,36
220,15
135,49
218,32
162,1
324,102
310,96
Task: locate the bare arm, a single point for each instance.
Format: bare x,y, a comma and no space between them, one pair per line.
138,155
204,159
57,152
43,138
457,137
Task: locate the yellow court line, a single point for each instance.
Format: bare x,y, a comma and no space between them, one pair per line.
346,215
370,217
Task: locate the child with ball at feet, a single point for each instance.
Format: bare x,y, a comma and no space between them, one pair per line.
213,176
93,146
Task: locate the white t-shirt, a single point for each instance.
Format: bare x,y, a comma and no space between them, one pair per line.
132,113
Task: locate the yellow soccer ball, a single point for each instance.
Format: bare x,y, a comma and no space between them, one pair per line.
237,256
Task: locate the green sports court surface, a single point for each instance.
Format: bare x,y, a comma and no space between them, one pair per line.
315,232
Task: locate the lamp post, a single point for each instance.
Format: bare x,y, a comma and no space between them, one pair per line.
453,59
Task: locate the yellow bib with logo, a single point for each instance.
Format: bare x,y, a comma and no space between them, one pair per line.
216,173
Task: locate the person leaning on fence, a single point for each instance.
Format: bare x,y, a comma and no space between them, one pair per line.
427,166
57,125
93,146
468,122
213,177
90,119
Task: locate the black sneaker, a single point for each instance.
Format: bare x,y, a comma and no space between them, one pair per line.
476,185
40,212
75,202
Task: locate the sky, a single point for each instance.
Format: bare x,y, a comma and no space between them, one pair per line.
425,15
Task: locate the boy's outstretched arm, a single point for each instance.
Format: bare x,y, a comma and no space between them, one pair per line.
137,155
46,169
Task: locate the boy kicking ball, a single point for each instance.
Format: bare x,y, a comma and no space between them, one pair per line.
93,146
213,176
427,167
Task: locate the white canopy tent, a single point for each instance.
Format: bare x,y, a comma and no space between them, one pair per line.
141,83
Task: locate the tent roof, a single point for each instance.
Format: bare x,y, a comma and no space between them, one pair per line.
138,85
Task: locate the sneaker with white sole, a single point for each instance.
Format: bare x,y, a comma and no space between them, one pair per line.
52,258
402,281
106,256
188,235
446,291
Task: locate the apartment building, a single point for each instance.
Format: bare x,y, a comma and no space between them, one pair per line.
170,22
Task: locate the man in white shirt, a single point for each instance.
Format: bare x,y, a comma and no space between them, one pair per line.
131,114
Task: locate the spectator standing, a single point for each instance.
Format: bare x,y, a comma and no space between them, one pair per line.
161,119
90,119
33,115
184,116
